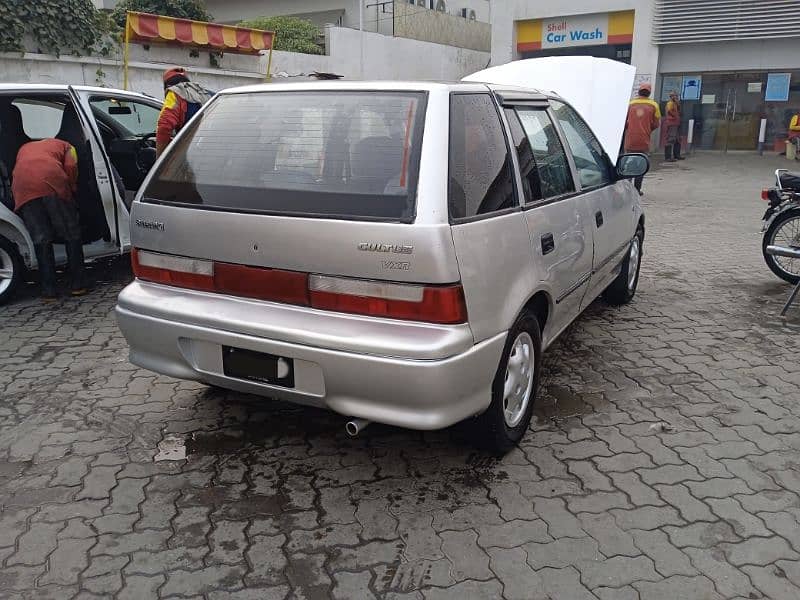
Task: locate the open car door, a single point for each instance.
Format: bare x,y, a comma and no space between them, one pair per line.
116,213
598,88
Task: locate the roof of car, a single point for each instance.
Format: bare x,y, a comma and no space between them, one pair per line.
410,86
61,88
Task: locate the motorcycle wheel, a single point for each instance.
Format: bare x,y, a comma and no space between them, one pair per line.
784,231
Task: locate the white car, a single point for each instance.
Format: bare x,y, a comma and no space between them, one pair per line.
108,128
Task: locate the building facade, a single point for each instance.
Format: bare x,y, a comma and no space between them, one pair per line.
734,62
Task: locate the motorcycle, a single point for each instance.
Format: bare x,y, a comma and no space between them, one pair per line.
782,225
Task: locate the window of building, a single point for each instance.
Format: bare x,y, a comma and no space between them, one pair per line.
481,173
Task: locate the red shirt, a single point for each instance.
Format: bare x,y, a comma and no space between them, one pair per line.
47,167
171,119
643,119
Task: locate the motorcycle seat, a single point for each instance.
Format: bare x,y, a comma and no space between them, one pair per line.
790,181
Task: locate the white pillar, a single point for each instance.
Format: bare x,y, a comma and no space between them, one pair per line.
762,135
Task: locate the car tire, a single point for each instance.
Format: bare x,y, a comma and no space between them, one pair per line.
623,288
504,423
769,240
12,268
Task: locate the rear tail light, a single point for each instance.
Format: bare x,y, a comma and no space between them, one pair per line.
432,304
765,195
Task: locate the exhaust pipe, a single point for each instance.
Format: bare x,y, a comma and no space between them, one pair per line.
355,426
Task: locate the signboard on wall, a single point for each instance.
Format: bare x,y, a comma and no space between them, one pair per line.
778,87
670,83
692,84
582,30
596,29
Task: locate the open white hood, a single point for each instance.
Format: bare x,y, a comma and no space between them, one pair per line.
598,88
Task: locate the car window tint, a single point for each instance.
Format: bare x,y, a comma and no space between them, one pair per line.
129,118
587,152
555,178
40,118
481,174
346,154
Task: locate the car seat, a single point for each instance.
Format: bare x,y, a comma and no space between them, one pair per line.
94,225
12,138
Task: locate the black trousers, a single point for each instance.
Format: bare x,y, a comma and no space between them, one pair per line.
49,219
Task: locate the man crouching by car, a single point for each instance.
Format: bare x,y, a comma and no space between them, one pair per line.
44,183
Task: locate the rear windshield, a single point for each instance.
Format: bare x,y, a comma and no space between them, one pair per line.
327,153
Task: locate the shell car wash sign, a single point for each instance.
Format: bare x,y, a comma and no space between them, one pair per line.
577,30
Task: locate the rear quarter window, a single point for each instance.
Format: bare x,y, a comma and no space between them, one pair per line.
326,153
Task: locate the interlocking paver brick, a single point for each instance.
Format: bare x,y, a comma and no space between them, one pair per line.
743,523
647,517
560,522
564,583
469,560
678,586
667,558
729,581
758,551
717,488
639,493
563,553
274,501
617,571
669,474
512,534
689,507
772,582
520,582
612,540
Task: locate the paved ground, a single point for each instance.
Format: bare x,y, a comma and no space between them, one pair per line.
601,501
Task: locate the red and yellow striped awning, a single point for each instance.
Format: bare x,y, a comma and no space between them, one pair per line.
146,28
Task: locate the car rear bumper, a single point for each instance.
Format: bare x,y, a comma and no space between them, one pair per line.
408,392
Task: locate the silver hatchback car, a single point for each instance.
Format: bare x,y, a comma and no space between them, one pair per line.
395,252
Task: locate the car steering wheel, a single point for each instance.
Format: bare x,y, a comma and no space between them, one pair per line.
146,153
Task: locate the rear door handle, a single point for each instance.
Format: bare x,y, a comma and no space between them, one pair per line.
598,218
548,243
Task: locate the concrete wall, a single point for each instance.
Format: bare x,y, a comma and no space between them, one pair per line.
417,23
352,54
644,56
740,55
375,56
233,11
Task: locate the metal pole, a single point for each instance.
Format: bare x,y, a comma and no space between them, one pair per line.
126,51
361,15
762,136
690,136
269,60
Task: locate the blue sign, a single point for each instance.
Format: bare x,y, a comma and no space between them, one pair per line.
778,87
691,87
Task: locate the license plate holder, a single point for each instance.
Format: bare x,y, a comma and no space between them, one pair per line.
258,367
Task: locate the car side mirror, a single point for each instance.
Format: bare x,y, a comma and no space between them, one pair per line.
632,165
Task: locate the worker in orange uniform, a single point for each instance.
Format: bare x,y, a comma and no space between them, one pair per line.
182,99
44,184
794,132
643,119
672,147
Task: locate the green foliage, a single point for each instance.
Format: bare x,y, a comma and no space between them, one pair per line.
183,9
56,26
292,34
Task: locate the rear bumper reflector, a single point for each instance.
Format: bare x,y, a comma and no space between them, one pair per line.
432,304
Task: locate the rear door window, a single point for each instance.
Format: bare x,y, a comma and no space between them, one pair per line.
327,153
481,171
547,169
